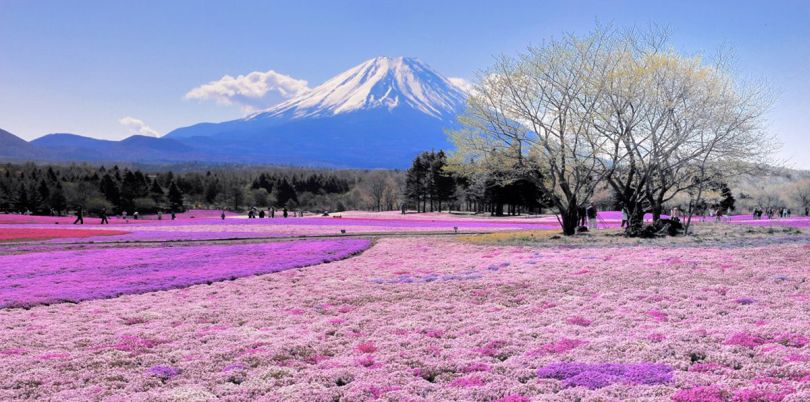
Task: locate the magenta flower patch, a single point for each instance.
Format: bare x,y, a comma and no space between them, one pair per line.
29,279
701,394
747,340
163,372
595,376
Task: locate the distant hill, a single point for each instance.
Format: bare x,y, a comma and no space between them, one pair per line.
137,148
13,148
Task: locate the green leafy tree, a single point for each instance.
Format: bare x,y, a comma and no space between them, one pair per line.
285,193
156,192
57,199
175,198
109,188
726,198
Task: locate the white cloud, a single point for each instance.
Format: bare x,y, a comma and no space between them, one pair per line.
462,84
253,91
137,126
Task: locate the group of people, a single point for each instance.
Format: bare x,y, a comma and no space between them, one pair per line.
770,213
588,216
124,216
254,213
675,214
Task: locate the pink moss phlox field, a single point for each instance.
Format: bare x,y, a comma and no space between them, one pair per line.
213,228
206,225
27,233
431,319
41,219
39,278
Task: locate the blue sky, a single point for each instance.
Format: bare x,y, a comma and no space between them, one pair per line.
82,67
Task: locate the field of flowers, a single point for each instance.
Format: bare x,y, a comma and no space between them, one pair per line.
28,279
22,234
200,225
405,318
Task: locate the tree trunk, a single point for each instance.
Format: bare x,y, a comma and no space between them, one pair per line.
657,211
570,220
636,221
696,201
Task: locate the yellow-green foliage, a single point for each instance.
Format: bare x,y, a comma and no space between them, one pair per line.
510,236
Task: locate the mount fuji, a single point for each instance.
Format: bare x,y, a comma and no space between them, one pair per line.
379,114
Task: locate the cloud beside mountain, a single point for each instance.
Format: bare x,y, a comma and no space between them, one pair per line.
253,91
462,84
137,126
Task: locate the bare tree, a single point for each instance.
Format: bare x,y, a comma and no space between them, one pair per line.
612,106
673,124
377,185
801,194
534,115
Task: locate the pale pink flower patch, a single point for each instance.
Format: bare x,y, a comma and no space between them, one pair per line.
578,320
467,382
709,393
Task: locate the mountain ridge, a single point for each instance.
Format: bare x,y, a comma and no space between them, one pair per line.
378,114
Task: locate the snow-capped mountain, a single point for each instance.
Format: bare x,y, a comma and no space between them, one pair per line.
380,113
379,83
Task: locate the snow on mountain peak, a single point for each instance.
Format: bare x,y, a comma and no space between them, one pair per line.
381,82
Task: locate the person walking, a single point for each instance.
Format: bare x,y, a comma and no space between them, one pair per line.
284,212
625,217
174,216
581,217
160,215
124,215
79,217
222,215
261,214
592,214
272,212
135,215
104,217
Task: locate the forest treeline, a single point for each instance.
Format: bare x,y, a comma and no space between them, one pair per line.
55,189
427,186
430,185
